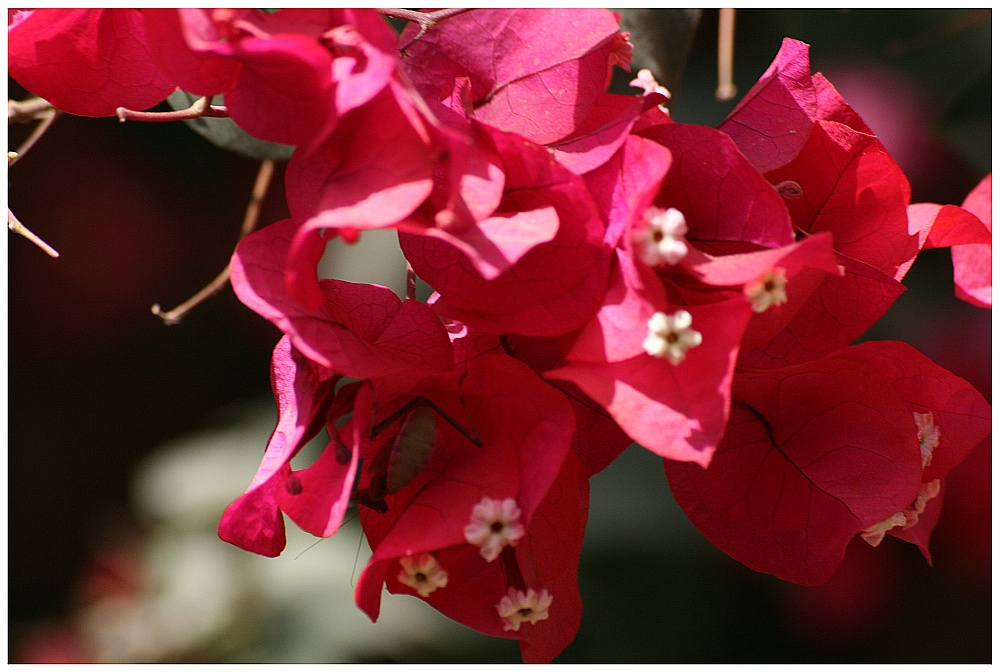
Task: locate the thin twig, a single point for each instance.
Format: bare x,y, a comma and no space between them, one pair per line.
411,282
260,187
426,20
17,227
32,109
199,108
727,27
47,120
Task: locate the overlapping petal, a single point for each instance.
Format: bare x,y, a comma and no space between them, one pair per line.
553,59
358,330
813,455
974,262
87,61
303,393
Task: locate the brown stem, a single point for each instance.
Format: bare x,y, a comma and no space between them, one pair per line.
411,282
32,109
200,108
260,187
48,118
426,20
17,227
727,27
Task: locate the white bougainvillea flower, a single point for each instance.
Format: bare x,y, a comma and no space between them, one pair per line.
767,290
671,336
659,236
494,524
645,80
928,434
906,518
517,607
423,573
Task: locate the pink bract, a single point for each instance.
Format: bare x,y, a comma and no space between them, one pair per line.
974,263
525,427
550,287
287,76
553,59
303,393
357,330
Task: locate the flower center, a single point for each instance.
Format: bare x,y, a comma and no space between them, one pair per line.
671,336
659,236
422,573
518,607
928,434
493,525
767,290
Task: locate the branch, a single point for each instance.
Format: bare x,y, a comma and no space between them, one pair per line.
426,20
260,187
23,111
200,108
17,227
727,27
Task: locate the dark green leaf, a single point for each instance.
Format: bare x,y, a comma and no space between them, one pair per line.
226,134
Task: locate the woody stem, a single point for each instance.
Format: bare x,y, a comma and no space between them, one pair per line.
250,218
727,27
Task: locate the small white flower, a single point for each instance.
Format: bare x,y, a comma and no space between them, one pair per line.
767,290
876,533
423,573
517,607
928,491
494,525
660,236
906,518
671,336
928,434
645,80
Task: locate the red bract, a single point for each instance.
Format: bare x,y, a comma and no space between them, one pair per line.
525,438
741,270
834,176
840,310
825,162
817,453
772,121
676,410
558,60
598,439
87,61
357,330
545,239
304,395
812,456
843,181
952,416
522,472
673,406
287,76
659,354
373,172
720,193
601,134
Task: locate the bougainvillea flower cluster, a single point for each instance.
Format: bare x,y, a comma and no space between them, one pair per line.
602,275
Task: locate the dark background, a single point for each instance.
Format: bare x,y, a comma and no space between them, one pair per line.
148,213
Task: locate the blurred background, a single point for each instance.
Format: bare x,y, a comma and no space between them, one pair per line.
127,438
